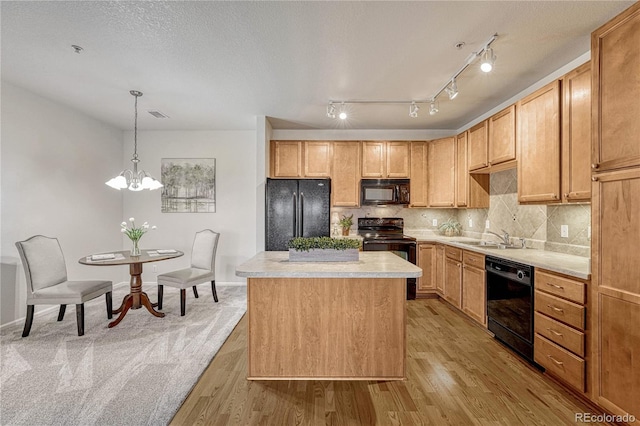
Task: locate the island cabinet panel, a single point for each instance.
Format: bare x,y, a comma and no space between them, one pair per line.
286,159
317,159
442,159
539,146
326,328
345,174
373,159
427,262
502,136
478,146
615,58
419,174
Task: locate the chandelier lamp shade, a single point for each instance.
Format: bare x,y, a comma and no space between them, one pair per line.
134,180
487,61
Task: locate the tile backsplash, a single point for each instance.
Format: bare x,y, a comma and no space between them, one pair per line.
540,225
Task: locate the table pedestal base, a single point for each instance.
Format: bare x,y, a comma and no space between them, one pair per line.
136,297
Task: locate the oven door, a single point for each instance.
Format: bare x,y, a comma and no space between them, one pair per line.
404,249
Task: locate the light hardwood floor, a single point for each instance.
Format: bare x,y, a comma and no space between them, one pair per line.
457,374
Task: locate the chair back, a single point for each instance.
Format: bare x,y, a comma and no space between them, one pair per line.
43,262
203,254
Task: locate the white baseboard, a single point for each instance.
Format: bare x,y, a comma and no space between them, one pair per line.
115,286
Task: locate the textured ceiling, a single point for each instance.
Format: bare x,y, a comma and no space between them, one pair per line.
217,65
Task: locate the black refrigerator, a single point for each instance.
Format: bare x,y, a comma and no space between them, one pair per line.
296,208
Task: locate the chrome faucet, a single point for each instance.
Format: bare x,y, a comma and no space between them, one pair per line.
504,237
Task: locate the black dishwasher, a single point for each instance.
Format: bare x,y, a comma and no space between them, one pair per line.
510,304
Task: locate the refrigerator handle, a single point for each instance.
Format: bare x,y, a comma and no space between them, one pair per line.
295,215
301,213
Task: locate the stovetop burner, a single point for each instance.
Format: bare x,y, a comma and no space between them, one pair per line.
382,228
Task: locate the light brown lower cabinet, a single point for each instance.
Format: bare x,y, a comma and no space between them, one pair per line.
427,261
453,282
474,288
440,269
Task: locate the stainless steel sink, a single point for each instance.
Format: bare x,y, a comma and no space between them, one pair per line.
490,244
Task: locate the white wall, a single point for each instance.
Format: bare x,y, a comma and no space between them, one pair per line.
55,161
235,216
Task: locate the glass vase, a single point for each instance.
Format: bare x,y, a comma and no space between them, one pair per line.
135,250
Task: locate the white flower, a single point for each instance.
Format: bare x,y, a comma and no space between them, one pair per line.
123,230
123,224
145,226
131,219
154,227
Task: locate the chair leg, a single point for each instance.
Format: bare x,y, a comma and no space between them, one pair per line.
213,290
109,302
195,291
183,298
80,318
160,291
63,309
28,321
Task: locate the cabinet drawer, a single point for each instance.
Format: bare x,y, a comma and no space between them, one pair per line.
560,286
560,309
559,361
473,259
559,333
453,253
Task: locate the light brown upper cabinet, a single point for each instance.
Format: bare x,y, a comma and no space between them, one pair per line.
345,178
386,159
615,56
478,139
441,182
317,159
502,136
419,174
471,191
286,159
576,135
538,136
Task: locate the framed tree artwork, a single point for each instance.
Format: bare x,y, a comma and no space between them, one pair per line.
189,185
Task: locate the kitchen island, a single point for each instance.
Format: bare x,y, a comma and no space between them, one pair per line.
326,320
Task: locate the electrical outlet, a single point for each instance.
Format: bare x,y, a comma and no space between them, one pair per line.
155,268
487,225
564,231
434,222
470,223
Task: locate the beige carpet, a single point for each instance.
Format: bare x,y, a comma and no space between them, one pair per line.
137,373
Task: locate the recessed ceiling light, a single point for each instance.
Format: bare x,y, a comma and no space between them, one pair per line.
157,114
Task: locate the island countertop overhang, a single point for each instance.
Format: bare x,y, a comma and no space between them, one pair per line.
374,264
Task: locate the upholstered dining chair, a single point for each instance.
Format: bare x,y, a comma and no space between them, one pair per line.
46,276
202,270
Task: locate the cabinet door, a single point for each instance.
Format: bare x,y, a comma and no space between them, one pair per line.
576,135
286,159
373,159
478,146
474,293
502,136
453,282
440,269
317,159
442,159
398,159
539,145
418,174
615,290
345,176
615,63
462,171
427,261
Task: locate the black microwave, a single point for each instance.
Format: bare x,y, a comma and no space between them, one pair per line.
381,192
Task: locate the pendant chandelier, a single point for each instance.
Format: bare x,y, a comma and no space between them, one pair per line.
133,179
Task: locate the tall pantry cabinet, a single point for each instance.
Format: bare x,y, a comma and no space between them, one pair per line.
615,289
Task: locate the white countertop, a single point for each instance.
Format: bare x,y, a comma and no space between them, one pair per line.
372,264
575,266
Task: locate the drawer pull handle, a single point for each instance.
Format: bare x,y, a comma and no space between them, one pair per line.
556,286
555,360
554,332
555,309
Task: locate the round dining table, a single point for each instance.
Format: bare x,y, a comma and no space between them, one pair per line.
136,297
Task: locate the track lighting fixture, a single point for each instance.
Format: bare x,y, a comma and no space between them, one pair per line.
488,59
413,110
452,90
451,87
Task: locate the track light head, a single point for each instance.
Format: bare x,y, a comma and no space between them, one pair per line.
452,89
331,110
488,59
343,112
433,108
413,110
